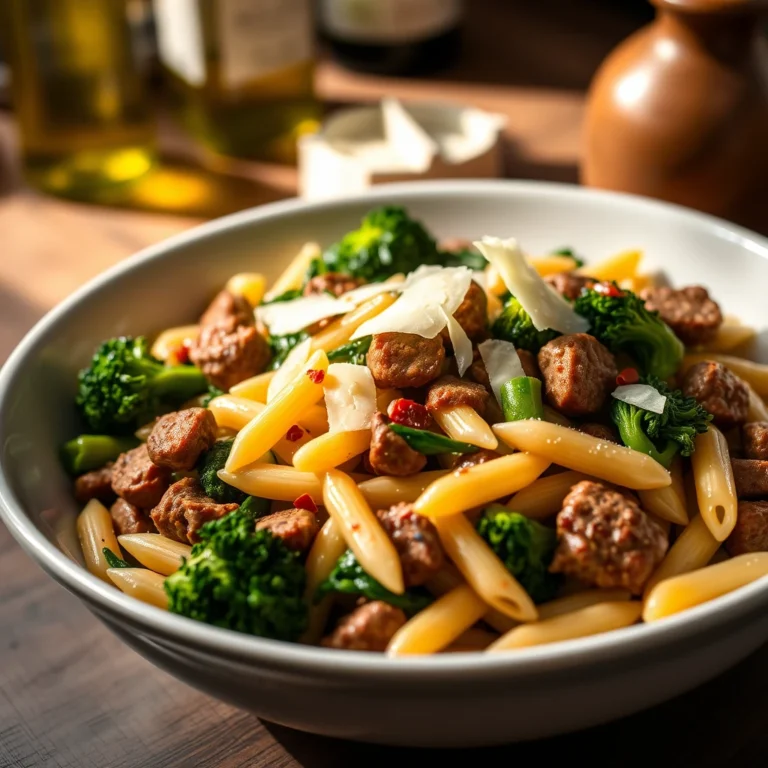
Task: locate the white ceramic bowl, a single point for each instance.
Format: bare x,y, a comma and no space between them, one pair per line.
453,700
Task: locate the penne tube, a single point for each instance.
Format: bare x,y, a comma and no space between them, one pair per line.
95,531
140,583
315,419
464,489
584,453
551,265
754,374
385,492
255,388
579,600
340,331
250,285
730,334
636,283
330,450
473,639
715,487
362,531
439,624
156,552
272,481
544,497
167,345
758,411
592,620
269,426
482,569
555,417
668,503
293,275
680,593
464,423
622,266
693,549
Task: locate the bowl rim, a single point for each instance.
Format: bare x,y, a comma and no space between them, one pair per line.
302,659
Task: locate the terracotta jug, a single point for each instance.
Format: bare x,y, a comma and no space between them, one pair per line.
679,111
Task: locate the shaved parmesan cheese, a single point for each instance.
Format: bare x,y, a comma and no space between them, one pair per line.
365,292
290,369
292,316
462,346
501,362
350,397
642,395
547,308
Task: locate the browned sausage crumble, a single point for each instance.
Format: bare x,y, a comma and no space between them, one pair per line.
755,439
368,628
389,453
751,531
719,391
128,518
178,438
95,485
568,284
138,480
296,528
472,314
689,312
335,283
751,478
450,391
402,360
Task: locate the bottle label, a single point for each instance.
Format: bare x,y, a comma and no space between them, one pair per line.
388,21
180,39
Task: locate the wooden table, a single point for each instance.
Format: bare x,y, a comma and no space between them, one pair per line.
70,694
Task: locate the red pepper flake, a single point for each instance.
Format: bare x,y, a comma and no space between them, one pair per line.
355,527
294,433
179,354
316,377
628,376
305,501
608,289
409,414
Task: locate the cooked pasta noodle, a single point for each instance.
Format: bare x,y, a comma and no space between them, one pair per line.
154,551
94,529
551,265
579,600
730,334
715,488
292,276
272,481
544,497
250,285
340,331
255,388
331,450
384,492
140,583
461,422
622,266
667,503
474,639
167,345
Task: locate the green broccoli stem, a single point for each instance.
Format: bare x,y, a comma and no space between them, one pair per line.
643,343
521,399
181,382
632,435
87,452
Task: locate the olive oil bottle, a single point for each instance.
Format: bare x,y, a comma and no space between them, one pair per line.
78,92
242,72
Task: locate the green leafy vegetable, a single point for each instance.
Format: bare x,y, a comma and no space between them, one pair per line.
113,561
429,443
281,347
241,579
125,386
208,466
86,452
256,506
290,295
661,435
569,252
354,352
212,392
524,546
514,324
521,399
466,257
620,320
349,578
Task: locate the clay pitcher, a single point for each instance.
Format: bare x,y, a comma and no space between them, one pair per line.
679,111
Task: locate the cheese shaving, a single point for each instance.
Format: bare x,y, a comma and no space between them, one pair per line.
462,346
641,395
291,316
501,362
350,397
290,369
547,308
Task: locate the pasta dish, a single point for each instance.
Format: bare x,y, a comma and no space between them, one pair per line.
415,447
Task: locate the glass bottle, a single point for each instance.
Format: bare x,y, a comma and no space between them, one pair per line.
242,72
84,120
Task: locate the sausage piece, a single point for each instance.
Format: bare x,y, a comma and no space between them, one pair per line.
138,480
605,539
689,312
568,284
467,460
755,439
296,528
719,391
472,314
579,373
450,391
368,628
402,360
227,306
335,283
751,531
178,438
389,453
128,518
750,477
95,485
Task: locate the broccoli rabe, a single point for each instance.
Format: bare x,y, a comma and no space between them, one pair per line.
281,346
289,295
354,352
349,578
113,561
524,546
466,257
208,466
514,324
568,251
241,579
125,386
620,320
86,452
212,392
661,435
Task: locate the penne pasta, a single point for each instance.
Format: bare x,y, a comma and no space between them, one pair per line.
544,497
482,569
439,624
330,450
269,426
679,593
668,503
293,275
167,345
758,411
754,374
715,487
385,492
250,285
464,423
551,265
255,388
636,283
464,489
474,639
156,552
693,549
592,620
340,331
363,533
622,266
95,531
272,481
579,600
730,334
140,583
584,453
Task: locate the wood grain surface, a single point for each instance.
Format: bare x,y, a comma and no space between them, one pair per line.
73,696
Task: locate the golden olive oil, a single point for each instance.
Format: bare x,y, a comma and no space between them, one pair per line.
241,72
78,93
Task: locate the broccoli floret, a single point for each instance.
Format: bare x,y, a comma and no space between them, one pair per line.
661,435
514,324
87,452
387,242
349,578
524,546
466,257
568,251
280,346
620,320
125,386
208,466
241,579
